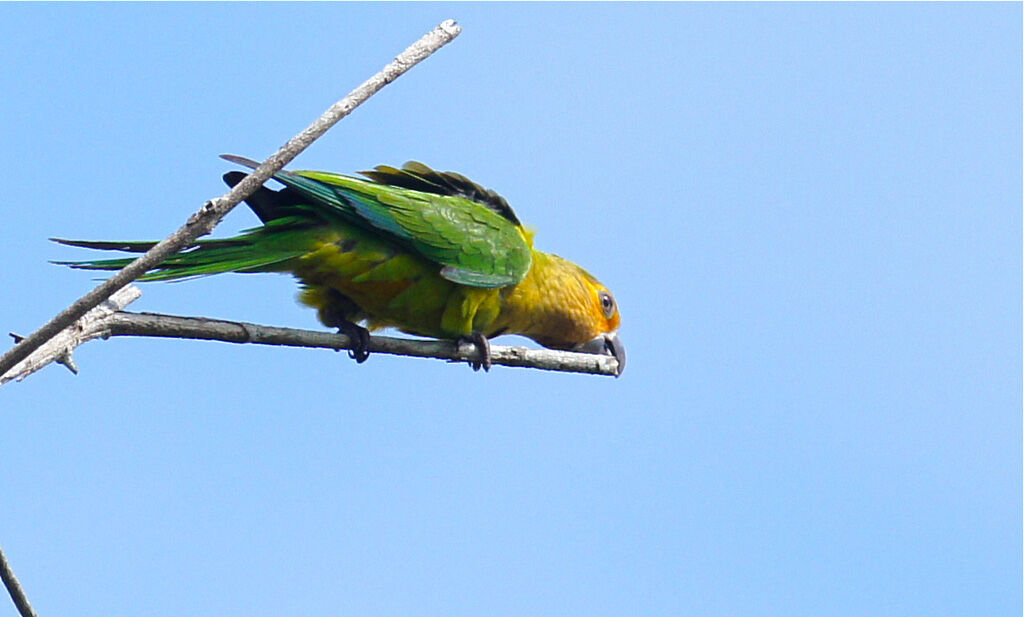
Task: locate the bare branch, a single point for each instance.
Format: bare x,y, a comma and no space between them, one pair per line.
150,324
108,320
14,588
203,221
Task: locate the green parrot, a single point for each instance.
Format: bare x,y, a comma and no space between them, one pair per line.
429,253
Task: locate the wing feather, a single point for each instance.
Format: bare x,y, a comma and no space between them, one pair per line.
472,242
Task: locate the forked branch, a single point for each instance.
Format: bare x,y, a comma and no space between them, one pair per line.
203,221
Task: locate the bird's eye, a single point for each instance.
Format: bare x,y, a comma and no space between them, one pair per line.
607,303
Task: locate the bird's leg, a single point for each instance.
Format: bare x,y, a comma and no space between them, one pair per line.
483,346
336,315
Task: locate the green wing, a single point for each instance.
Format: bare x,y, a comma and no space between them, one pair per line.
474,241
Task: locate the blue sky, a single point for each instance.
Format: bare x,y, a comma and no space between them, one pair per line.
810,215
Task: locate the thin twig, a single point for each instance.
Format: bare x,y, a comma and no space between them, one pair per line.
108,320
14,588
203,221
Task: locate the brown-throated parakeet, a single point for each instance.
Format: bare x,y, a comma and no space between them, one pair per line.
430,253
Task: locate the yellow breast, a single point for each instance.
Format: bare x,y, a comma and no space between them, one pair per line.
390,287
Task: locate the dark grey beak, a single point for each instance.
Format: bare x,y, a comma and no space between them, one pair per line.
608,344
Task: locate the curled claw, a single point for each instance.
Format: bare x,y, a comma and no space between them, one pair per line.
360,337
482,345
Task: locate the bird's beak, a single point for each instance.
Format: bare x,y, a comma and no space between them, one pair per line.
608,344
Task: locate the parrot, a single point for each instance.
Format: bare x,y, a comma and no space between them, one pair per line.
429,253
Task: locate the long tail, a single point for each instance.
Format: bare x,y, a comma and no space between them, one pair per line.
289,230
264,249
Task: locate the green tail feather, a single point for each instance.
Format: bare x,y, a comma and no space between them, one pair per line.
263,249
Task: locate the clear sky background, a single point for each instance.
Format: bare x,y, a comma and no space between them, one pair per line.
811,218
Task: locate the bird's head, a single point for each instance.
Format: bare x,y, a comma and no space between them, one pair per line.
607,320
582,314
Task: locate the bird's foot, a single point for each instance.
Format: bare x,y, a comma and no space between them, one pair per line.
482,345
360,338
